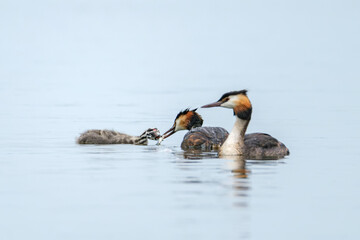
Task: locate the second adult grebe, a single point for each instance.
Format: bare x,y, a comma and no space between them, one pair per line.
258,145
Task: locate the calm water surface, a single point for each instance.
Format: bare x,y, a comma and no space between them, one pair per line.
70,66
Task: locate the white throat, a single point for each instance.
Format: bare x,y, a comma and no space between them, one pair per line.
234,144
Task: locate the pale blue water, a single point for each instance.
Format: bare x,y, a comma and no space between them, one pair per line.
68,66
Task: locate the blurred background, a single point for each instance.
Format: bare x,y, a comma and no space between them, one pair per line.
68,66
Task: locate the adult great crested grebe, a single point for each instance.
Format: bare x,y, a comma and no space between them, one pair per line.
113,137
205,138
258,145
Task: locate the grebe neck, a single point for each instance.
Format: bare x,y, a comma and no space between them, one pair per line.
234,144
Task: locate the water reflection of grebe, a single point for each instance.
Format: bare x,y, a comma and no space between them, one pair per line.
254,145
114,137
235,164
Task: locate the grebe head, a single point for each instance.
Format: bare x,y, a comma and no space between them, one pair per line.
238,101
151,133
185,120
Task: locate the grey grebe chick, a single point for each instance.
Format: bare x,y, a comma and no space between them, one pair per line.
254,146
206,138
114,137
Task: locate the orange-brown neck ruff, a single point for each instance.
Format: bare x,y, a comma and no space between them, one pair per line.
183,121
243,108
189,120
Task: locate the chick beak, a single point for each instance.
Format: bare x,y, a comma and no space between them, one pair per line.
215,104
156,133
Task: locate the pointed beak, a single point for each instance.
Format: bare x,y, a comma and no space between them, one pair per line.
215,104
169,132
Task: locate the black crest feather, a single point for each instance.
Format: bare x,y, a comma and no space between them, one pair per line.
183,112
244,91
